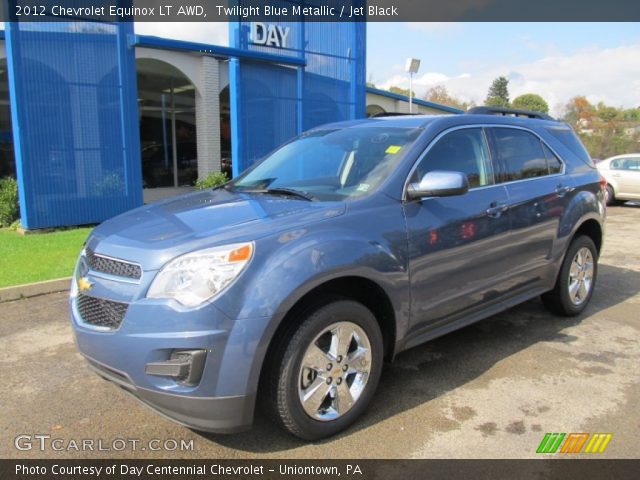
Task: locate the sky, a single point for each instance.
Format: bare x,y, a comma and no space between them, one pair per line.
555,60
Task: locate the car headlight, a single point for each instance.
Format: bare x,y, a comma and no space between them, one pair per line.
196,277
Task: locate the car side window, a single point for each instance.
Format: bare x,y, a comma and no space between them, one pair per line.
632,164
554,165
463,150
519,153
616,164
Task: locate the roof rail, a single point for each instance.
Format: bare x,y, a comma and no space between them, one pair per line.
509,111
393,114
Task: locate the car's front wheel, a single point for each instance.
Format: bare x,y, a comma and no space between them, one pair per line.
325,374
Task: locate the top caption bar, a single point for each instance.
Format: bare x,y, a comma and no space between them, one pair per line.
321,10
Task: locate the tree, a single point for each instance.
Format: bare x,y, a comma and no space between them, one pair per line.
607,113
577,109
531,101
603,129
498,95
631,115
439,94
402,91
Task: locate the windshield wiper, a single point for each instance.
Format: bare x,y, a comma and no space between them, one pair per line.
291,192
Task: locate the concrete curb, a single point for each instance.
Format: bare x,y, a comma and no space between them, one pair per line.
33,289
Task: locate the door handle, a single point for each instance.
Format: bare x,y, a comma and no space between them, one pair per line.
616,175
562,190
496,209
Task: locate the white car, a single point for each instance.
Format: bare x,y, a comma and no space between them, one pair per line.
622,173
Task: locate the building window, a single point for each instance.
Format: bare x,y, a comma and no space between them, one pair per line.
7,159
166,102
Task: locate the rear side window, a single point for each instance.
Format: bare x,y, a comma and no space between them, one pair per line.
519,154
625,164
553,162
616,164
570,140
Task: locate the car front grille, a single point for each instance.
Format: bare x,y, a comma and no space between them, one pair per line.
100,312
111,266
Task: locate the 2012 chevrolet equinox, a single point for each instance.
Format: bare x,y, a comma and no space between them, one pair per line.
349,244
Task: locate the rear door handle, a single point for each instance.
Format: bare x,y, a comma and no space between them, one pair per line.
562,190
496,209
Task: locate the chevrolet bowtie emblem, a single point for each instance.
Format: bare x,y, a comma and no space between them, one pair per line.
84,284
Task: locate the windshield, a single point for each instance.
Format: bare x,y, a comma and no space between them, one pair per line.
331,164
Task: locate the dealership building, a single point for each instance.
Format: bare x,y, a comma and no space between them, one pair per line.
95,120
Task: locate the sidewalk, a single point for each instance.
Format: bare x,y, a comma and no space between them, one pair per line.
33,289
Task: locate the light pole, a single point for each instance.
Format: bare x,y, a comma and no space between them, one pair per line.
412,66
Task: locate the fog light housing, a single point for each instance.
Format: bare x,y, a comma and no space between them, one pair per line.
184,366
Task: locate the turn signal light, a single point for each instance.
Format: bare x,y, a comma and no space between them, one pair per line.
240,254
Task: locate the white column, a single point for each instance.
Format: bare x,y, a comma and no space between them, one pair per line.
208,117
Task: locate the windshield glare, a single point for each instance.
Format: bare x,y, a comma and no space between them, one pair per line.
331,164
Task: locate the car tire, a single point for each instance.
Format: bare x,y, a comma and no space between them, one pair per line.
576,279
610,195
312,389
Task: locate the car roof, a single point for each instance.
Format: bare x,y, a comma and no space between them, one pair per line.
422,121
400,121
624,155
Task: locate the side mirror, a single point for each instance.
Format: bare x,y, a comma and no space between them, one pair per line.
439,183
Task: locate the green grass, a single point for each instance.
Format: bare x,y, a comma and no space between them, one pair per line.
37,257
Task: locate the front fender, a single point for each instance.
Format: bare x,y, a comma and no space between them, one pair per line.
293,270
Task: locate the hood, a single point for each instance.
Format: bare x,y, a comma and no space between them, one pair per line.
154,234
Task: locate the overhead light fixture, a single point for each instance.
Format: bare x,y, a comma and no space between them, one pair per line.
184,88
412,66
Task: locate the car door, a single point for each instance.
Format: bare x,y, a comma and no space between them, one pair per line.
538,194
627,177
456,243
613,173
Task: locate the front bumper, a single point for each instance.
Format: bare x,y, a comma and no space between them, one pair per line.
210,414
152,330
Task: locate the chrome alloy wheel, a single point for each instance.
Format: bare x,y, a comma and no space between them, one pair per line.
581,276
334,371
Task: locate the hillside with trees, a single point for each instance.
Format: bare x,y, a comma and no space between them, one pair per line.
439,94
605,130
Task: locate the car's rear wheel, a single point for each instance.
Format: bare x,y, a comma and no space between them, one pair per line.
610,195
325,375
576,280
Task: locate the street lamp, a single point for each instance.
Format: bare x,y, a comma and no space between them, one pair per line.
412,66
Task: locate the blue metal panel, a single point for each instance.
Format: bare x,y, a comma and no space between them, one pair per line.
237,150
272,103
75,121
267,114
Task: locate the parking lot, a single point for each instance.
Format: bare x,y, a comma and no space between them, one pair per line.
491,390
